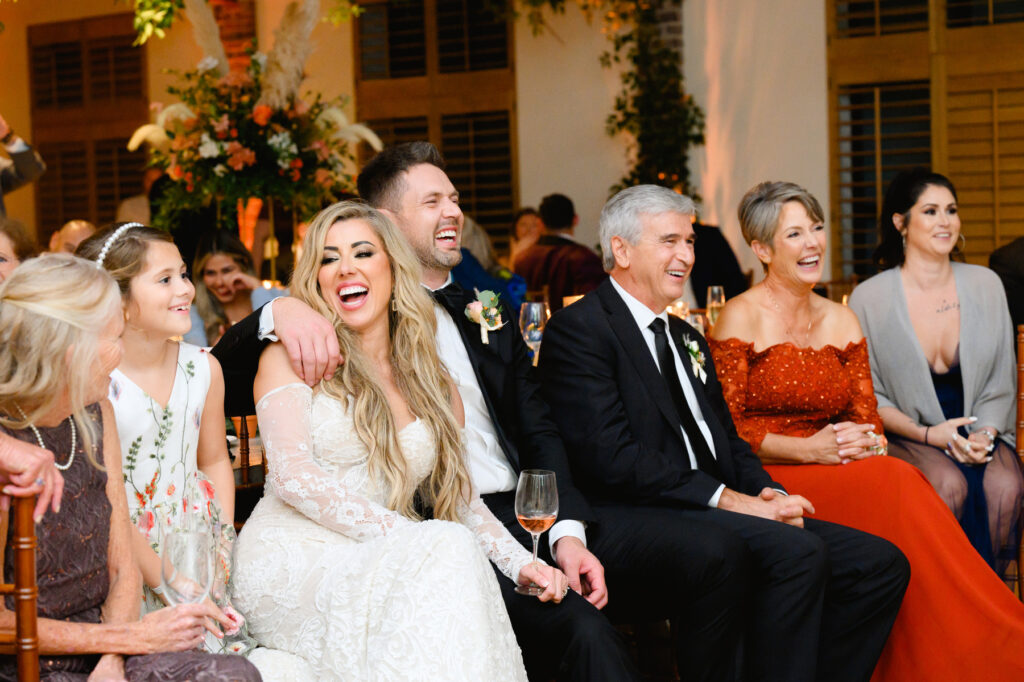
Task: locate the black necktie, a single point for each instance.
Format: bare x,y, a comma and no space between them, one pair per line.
705,460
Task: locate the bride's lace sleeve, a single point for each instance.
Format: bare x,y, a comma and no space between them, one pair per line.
295,477
499,545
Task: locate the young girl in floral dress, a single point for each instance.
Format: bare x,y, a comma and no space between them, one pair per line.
168,398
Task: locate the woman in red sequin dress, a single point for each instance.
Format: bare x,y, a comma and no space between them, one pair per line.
794,368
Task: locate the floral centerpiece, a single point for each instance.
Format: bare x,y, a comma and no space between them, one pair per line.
234,135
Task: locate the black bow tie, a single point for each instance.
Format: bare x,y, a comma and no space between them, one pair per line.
450,297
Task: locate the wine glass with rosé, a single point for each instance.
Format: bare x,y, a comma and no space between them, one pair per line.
536,509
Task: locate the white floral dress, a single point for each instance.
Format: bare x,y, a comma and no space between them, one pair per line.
342,588
159,446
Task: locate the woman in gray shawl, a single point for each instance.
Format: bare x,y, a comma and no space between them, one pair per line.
938,333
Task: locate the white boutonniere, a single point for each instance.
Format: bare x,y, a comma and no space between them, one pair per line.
696,358
485,312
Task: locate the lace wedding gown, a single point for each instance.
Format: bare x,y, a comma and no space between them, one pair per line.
327,573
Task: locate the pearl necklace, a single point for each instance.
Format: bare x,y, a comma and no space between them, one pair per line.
39,439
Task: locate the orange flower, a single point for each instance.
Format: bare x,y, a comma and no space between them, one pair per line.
170,490
176,173
324,178
239,157
261,114
296,163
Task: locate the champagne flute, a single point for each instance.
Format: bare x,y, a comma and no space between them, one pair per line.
187,566
536,509
716,301
532,318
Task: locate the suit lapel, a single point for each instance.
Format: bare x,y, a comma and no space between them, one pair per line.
677,328
470,333
624,326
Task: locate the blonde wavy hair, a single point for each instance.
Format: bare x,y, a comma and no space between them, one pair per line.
48,305
416,368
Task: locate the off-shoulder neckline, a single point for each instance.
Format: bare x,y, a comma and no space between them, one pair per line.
749,346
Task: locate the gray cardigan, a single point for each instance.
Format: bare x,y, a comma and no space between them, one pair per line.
899,370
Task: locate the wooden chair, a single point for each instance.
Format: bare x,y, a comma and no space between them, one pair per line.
249,478
1020,443
23,641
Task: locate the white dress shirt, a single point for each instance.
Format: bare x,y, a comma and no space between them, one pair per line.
643,317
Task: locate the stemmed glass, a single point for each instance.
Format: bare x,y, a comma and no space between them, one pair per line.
716,301
187,565
532,318
536,509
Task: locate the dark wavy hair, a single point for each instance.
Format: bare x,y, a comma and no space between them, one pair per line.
903,192
381,181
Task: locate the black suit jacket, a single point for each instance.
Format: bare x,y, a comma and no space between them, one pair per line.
521,419
22,168
714,263
616,416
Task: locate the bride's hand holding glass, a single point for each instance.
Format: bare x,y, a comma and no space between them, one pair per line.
552,580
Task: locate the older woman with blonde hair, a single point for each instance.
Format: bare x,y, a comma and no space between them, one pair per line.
338,540
60,327
795,371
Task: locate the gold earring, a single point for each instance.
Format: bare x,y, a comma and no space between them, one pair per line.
394,304
963,240
903,236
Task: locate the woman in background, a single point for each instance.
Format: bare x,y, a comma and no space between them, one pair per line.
941,360
226,287
795,371
15,247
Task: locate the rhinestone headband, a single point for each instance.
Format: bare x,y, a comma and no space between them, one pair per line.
110,241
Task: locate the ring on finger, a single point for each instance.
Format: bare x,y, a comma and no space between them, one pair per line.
40,481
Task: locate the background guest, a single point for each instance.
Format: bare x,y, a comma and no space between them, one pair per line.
1008,262
795,372
15,246
714,263
226,287
70,235
941,362
480,270
65,314
24,166
556,260
136,208
526,229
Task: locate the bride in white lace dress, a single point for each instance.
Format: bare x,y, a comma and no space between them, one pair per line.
334,566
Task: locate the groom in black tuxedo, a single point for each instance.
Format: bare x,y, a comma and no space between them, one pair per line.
647,429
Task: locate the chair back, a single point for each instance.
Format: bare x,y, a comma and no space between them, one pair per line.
1020,392
249,477
23,642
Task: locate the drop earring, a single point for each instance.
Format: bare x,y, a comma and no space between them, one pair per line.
394,305
963,240
903,236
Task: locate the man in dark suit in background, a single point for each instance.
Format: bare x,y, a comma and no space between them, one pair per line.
647,430
507,424
556,260
714,263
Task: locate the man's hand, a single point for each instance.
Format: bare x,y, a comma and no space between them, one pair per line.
584,571
29,470
769,504
310,340
4,128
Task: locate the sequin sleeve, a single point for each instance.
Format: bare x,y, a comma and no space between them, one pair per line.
863,406
732,365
